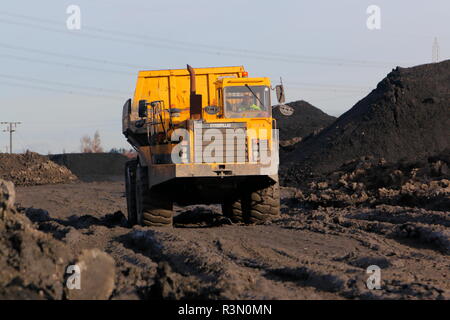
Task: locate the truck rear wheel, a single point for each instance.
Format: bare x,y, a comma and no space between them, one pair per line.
153,208
233,210
263,205
130,191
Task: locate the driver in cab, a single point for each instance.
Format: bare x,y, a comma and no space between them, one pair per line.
248,104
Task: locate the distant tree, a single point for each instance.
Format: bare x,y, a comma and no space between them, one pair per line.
93,145
86,144
117,150
97,143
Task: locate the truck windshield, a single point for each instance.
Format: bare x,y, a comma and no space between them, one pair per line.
247,102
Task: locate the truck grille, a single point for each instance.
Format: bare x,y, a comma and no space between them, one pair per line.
220,142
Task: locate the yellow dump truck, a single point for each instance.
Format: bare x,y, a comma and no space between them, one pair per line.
203,136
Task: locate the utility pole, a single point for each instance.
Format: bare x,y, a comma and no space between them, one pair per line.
11,128
435,51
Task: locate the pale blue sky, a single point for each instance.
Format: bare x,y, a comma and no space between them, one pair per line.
63,84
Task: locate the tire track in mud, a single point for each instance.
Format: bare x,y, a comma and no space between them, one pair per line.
425,241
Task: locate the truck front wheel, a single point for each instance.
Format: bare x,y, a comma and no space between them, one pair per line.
263,205
153,208
254,207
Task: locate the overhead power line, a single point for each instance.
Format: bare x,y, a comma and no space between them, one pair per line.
329,90
124,37
303,85
82,67
62,64
71,92
69,85
69,56
185,48
325,85
27,49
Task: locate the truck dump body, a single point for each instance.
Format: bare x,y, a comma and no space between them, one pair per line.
173,87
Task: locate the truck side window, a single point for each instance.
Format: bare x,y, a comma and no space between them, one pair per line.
219,96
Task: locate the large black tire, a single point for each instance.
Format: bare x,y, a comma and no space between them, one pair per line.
255,207
153,208
263,205
232,209
130,191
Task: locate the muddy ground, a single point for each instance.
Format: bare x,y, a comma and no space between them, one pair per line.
319,253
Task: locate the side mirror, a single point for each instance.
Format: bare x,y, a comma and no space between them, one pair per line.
280,93
126,111
142,110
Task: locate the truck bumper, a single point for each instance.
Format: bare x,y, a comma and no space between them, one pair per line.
164,172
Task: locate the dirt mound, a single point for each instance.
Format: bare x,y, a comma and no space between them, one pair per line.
92,166
368,181
306,120
405,117
33,264
30,261
32,169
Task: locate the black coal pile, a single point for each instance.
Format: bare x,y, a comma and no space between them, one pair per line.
32,169
407,117
93,166
305,120
370,182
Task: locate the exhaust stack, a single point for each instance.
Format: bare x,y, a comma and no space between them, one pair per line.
195,99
